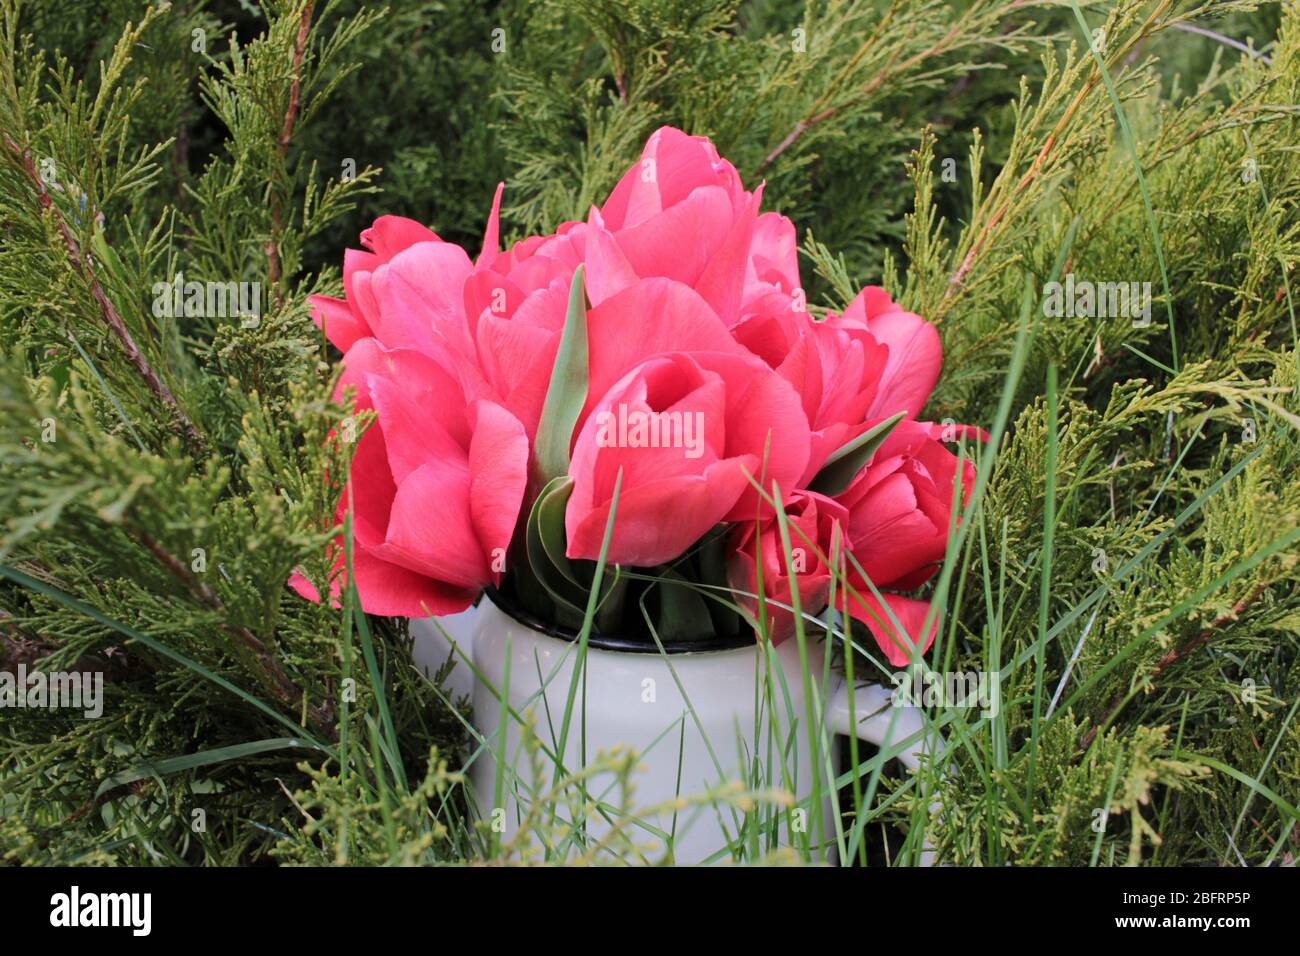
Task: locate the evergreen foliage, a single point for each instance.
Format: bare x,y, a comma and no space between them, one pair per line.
1131,568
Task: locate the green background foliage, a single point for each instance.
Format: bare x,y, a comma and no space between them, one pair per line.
1134,547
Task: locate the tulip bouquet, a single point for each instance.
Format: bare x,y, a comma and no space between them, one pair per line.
637,419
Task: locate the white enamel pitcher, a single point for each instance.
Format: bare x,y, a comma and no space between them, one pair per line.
689,716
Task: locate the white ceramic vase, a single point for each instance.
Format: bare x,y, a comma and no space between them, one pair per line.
700,718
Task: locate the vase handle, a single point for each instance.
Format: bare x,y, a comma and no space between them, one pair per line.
874,718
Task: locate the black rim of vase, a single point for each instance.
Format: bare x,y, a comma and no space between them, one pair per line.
613,642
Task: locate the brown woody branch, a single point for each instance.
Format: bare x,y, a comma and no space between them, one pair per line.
85,268
1174,655
822,115
272,248
288,693
1094,78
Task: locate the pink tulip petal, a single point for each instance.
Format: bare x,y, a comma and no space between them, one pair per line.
912,368
355,261
361,295
421,300
679,242
414,422
489,293
898,646
447,549
371,484
509,349
656,522
392,591
608,270
773,256
492,234
498,471
650,318
393,234
341,326
771,335
305,588
722,283
869,304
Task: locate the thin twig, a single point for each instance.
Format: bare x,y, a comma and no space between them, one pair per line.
1226,40
876,82
85,268
950,41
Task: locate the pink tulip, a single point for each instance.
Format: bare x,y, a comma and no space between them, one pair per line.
813,521
430,453
430,269
679,213
915,353
900,507
836,365
687,431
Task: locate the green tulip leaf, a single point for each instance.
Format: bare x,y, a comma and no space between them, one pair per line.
544,543
844,464
549,514
567,392
682,614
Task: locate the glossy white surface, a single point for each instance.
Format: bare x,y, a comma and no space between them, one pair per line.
435,639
